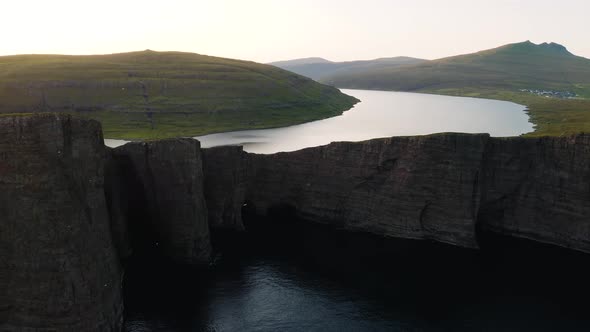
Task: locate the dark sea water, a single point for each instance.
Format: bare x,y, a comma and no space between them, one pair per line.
304,277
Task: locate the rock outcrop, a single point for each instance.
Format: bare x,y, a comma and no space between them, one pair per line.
413,187
538,189
226,178
59,269
165,201
444,187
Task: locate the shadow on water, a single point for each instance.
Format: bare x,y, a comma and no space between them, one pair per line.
286,274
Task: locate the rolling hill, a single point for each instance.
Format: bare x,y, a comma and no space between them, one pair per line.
321,69
516,72
515,66
164,94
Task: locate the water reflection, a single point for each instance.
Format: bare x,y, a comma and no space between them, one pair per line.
307,277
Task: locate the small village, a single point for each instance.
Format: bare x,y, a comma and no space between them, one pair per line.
551,93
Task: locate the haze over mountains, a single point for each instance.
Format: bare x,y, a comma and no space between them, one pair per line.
510,67
553,83
321,69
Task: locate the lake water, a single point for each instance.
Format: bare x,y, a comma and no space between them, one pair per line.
386,114
113,143
383,114
310,278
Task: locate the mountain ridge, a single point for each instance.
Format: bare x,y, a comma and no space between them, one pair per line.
517,65
552,82
320,71
299,61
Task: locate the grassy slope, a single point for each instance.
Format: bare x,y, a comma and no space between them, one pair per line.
164,94
499,74
324,70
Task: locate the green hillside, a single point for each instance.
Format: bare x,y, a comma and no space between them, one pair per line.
164,94
321,69
500,73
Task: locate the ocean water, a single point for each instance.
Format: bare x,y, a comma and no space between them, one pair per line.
304,277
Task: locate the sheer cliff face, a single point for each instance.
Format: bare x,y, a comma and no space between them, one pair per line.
539,189
413,187
225,184
443,187
68,209
164,193
58,266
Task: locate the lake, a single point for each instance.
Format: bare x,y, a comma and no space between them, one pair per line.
383,114
386,114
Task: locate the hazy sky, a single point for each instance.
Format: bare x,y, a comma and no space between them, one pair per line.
265,30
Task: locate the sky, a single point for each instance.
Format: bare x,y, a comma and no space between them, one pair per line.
267,30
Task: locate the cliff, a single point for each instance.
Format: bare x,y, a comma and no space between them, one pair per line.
59,269
412,187
226,177
164,198
443,187
73,210
538,189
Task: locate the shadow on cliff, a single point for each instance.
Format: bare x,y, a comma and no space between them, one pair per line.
133,233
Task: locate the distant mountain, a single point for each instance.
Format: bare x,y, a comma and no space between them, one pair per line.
515,66
298,62
151,94
321,69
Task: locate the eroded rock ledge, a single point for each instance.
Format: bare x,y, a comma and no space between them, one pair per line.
72,210
443,187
